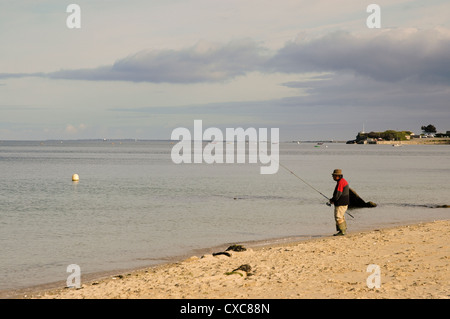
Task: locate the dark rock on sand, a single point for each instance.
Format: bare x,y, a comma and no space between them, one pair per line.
236,248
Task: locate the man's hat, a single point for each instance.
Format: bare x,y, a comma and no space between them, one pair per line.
337,172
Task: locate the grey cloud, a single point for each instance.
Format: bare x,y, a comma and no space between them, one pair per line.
21,75
203,62
385,55
390,55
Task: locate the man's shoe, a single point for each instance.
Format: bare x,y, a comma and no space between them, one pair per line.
342,227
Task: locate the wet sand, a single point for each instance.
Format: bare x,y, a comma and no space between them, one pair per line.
411,261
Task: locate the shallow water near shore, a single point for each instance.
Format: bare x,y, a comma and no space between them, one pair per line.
133,207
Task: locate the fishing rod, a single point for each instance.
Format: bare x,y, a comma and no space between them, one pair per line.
309,185
303,181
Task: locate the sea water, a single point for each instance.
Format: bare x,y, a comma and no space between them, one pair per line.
133,207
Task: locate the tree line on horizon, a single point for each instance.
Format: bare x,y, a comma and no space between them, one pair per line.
390,135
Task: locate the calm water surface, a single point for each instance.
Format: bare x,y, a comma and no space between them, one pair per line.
134,207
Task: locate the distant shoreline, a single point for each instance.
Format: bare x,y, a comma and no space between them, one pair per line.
420,141
416,141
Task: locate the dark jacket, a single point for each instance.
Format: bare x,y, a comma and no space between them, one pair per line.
341,194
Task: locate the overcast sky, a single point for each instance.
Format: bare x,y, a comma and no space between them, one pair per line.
140,69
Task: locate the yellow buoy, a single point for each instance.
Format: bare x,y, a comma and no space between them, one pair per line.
75,178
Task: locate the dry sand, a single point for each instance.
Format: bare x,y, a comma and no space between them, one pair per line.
413,262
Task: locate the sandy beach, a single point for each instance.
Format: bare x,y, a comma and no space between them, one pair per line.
411,261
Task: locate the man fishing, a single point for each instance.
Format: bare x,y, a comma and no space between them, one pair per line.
340,199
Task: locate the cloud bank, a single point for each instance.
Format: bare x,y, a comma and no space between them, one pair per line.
387,55
391,55
204,62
